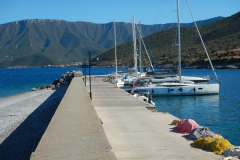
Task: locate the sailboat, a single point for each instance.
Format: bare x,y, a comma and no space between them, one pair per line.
129,79
180,87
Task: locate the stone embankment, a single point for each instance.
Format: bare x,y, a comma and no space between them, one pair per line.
58,83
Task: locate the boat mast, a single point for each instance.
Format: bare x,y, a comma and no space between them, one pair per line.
179,43
140,54
115,47
134,45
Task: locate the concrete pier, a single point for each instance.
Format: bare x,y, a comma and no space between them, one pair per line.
135,132
75,131
114,125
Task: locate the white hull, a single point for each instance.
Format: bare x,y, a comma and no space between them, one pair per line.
193,89
126,84
184,78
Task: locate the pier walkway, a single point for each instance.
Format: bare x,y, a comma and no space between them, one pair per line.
135,132
114,125
75,131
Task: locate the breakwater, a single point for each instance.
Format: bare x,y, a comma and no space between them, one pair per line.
64,80
75,131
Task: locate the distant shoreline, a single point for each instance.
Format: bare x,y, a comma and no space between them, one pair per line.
228,66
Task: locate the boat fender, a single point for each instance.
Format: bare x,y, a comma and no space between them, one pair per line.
194,89
152,90
181,89
168,90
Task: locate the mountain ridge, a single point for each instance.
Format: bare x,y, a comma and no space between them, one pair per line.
65,41
221,38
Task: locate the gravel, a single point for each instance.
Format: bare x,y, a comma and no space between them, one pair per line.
24,119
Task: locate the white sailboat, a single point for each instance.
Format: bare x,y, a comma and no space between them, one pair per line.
180,87
128,80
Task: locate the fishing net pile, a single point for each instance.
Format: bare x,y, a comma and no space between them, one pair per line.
205,138
215,145
185,126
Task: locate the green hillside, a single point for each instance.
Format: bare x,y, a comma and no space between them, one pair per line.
66,41
222,40
36,60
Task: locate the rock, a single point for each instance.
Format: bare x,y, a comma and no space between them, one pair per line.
43,87
64,76
58,85
50,87
38,87
55,82
61,80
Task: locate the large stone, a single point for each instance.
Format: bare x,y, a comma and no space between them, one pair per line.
38,87
61,80
43,87
55,82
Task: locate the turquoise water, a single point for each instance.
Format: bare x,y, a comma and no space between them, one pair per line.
221,113
20,80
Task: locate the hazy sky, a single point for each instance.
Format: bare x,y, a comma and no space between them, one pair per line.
105,11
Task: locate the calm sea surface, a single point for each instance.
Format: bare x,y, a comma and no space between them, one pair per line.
220,113
20,80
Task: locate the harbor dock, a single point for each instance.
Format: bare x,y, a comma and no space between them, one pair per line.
113,125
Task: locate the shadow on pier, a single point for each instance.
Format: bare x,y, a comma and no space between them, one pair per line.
23,141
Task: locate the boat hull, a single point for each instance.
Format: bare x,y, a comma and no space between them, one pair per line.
196,89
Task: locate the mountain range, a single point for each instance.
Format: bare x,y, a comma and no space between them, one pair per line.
49,41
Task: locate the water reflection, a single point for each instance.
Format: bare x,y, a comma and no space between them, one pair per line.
203,109
220,113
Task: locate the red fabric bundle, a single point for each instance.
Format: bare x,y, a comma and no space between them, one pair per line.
185,125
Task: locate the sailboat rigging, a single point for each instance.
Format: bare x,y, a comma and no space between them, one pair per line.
179,87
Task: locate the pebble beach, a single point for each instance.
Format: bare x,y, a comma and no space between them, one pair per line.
24,118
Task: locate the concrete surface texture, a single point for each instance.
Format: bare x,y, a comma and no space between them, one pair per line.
78,74
135,132
75,131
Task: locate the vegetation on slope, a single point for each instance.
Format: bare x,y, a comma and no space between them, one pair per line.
222,40
36,60
66,41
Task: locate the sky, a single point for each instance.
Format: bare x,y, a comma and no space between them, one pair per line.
147,12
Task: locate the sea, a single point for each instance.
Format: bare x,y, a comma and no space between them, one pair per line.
220,113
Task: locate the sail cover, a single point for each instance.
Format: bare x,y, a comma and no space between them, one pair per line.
185,125
199,132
